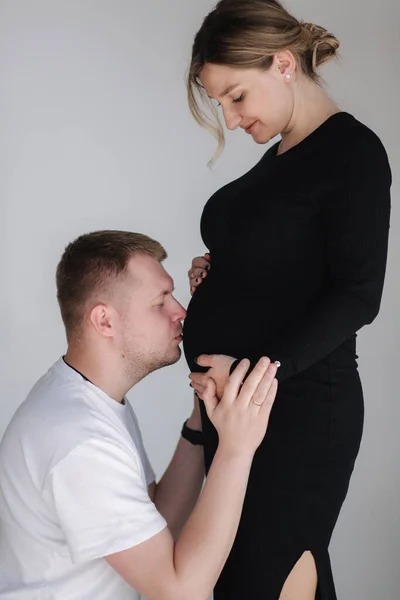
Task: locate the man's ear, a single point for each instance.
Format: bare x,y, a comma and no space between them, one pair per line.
102,319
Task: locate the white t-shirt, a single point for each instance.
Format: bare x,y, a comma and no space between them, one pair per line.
73,489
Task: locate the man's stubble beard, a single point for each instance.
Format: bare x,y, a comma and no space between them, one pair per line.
139,364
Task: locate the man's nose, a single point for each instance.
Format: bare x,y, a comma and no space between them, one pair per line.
180,313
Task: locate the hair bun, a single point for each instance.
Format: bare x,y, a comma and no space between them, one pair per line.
323,44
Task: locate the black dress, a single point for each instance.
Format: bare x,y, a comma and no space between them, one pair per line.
298,254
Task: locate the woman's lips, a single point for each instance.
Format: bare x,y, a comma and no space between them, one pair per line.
250,128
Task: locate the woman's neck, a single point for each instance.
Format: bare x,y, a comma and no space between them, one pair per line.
312,107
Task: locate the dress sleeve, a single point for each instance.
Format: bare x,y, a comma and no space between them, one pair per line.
356,221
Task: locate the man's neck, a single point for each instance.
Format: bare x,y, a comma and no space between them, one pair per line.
101,370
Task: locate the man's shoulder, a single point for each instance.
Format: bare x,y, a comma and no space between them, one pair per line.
56,400
59,414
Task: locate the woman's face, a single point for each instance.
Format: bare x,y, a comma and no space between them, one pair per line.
260,102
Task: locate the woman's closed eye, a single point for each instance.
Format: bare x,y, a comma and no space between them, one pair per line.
234,100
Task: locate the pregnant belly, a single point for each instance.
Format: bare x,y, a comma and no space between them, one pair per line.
221,323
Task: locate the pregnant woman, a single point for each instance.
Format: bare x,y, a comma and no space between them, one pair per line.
297,255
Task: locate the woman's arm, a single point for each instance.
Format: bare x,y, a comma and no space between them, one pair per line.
356,221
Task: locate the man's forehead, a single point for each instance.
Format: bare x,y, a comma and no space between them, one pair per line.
149,274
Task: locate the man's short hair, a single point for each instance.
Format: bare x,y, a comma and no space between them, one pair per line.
92,263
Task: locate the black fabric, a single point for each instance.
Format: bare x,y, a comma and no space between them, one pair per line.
298,251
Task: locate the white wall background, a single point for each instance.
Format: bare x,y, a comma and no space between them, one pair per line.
95,133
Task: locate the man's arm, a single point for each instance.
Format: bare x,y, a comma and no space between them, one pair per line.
162,569
189,568
178,490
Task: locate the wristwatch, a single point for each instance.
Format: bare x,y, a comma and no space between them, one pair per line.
191,435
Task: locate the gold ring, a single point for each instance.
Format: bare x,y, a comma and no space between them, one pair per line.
258,403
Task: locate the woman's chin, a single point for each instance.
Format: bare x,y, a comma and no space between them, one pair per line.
261,139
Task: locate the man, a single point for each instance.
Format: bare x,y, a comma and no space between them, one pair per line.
81,516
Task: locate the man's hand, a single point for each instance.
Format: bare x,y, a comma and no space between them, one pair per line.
219,365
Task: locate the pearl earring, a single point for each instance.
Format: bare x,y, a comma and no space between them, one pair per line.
288,76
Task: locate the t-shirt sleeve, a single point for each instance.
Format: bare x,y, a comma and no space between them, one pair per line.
148,469
102,501
356,221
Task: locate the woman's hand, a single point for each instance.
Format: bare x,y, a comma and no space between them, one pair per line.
241,416
198,271
219,365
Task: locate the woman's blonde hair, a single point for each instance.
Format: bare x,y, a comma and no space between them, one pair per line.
247,34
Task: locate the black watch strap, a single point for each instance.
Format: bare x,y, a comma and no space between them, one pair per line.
191,435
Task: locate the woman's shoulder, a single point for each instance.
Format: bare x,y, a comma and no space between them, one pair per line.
359,140
352,147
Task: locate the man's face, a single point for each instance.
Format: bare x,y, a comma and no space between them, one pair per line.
149,325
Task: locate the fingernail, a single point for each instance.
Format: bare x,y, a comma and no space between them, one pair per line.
191,385
195,359
207,267
197,280
201,274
